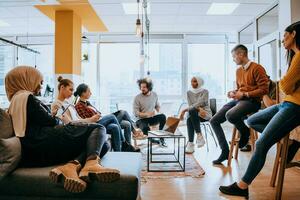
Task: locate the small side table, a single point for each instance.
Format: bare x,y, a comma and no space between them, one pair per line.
176,153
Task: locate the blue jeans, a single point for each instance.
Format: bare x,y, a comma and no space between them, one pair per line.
126,123
274,123
235,112
113,128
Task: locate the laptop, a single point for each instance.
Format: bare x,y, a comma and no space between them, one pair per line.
169,128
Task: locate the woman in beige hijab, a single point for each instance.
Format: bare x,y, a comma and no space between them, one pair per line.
39,132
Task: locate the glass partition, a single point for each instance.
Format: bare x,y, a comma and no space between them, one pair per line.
267,23
246,37
268,58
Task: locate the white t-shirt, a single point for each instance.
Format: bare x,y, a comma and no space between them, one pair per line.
62,106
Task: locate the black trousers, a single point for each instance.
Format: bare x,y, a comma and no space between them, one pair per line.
60,144
193,123
144,123
235,112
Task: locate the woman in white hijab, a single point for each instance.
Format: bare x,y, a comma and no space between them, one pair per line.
199,111
45,142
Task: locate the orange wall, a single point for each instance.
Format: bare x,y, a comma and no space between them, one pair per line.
67,42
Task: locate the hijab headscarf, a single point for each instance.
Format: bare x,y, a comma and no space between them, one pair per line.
20,82
200,82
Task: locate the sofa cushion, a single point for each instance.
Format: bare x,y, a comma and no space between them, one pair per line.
10,155
35,181
6,128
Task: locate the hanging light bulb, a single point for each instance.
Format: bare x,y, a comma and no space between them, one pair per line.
138,27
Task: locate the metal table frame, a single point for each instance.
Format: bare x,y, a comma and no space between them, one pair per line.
176,154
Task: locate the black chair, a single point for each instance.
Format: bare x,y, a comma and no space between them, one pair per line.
206,125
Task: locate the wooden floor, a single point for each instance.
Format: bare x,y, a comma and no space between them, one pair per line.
207,188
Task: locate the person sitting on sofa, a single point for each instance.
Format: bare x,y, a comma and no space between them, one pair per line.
110,122
85,110
199,111
146,109
78,145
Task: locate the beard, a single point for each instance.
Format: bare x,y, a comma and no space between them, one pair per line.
145,92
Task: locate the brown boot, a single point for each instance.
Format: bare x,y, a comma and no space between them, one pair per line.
93,170
68,175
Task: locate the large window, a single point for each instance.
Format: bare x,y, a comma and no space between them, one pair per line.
44,62
112,69
89,70
6,63
119,71
165,68
25,57
208,62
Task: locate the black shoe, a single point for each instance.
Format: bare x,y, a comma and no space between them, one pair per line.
163,142
126,147
244,140
224,156
234,190
293,148
246,148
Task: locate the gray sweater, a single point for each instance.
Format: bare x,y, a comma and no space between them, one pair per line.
199,100
145,103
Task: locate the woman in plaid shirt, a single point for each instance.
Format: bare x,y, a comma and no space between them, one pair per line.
86,110
110,122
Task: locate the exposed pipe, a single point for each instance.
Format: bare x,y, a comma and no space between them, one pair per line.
19,45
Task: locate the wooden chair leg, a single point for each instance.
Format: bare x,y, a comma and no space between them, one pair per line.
231,146
282,167
253,138
276,165
236,145
256,135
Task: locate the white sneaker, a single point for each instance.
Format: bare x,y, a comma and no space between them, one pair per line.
190,147
200,140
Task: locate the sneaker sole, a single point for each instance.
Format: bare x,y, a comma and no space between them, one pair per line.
103,177
70,185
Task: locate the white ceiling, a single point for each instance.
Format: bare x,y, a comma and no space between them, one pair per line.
167,16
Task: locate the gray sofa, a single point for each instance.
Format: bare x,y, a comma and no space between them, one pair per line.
33,183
